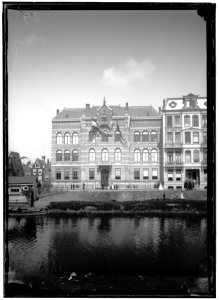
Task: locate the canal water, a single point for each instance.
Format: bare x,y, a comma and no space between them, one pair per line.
69,253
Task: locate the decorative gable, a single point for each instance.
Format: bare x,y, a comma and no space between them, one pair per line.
104,114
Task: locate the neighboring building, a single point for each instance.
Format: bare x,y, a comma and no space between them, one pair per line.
42,170
27,170
22,190
185,141
104,160
15,167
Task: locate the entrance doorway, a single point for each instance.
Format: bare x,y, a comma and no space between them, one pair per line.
193,175
104,178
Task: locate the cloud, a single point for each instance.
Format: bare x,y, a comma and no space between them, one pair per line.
32,39
124,75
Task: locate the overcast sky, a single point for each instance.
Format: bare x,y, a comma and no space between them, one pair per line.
60,59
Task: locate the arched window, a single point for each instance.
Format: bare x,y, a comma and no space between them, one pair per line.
92,155
137,136
58,155
105,155
75,155
118,155
92,137
104,118
117,136
153,136
105,136
75,138
66,155
187,156
145,155
169,137
153,155
67,138
59,138
137,155
145,136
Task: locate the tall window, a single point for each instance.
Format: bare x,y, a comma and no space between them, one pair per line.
75,138
153,136
178,156
195,137
91,174
205,155
92,137
178,174
104,118
137,136
196,156
91,155
117,136
104,137
204,120
204,137
177,137
170,175
66,174
177,121
188,137
154,174
186,121
145,136
118,155
169,121
67,155
67,138
145,155
75,155
75,174
118,174
137,155
105,155
195,121
153,155
169,137
136,174
145,174
188,156
58,174
59,155
170,158
59,138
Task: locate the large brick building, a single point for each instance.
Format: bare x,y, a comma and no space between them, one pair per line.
127,154
185,141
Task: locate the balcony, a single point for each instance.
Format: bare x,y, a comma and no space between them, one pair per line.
173,145
174,164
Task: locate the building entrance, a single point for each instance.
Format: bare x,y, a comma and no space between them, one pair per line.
193,175
104,178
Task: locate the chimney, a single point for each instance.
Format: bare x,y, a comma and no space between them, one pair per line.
43,157
126,107
57,111
87,106
159,110
163,103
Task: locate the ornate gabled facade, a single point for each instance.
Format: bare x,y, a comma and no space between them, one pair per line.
185,141
125,155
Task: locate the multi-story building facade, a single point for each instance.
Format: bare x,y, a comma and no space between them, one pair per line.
127,154
184,123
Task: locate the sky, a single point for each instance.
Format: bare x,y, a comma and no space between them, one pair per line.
60,59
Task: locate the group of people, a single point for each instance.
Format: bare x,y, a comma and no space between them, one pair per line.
189,184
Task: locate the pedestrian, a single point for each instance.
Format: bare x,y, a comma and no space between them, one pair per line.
164,196
73,186
83,185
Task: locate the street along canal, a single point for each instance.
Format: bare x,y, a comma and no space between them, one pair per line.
62,256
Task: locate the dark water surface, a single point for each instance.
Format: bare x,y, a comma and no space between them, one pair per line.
44,251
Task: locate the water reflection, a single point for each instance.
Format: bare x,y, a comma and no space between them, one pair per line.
58,246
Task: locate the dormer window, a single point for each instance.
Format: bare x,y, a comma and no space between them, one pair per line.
104,118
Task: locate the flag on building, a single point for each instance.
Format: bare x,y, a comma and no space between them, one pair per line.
120,137
95,127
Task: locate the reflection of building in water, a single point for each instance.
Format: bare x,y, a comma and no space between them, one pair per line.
106,146
185,141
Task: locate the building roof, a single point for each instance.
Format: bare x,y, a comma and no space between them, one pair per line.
133,111
21,179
